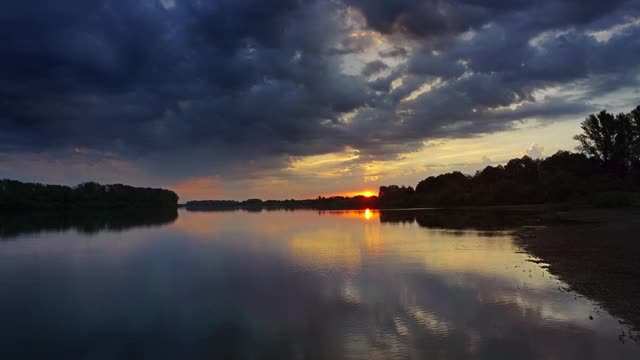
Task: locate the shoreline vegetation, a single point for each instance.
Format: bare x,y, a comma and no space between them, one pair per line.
16,195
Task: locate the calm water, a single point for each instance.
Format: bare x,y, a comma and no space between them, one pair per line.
288,285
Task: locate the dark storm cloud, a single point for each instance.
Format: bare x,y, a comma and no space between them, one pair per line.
230,77
500,64
395,52
374,67
436,66
433,18
193,87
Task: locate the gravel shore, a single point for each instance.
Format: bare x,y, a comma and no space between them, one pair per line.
597,253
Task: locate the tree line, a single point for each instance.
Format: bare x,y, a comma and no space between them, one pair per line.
18,195
605,170
320,203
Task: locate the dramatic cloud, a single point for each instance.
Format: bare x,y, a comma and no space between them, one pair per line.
374,67
229,89
535,151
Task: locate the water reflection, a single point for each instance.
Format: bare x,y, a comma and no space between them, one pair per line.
461,219
368,214
292,285
14,224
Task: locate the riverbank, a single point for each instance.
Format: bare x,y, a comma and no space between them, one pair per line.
597,253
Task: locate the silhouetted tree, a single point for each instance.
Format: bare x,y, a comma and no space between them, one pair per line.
444,190
610,139
523,170
634,121
396,196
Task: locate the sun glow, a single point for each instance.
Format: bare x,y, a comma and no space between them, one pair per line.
365,193
368,214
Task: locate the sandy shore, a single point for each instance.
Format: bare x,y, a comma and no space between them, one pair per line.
597,253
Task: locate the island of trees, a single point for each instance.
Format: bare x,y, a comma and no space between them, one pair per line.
604,172
16,195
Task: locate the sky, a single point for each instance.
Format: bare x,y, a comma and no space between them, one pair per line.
236,99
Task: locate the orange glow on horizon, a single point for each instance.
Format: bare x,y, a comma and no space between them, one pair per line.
197,188
365,193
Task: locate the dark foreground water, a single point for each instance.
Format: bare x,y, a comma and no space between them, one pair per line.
287,285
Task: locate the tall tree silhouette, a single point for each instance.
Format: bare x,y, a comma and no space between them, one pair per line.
599,136
634,120
611,139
